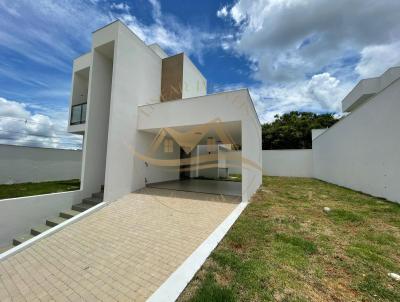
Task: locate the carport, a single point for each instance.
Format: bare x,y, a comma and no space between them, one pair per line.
180,143
203,158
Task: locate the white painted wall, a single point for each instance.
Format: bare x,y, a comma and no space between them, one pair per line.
230,106
153,172
194,84
28,164
228,162
362,151
136,81
158,50
98,107
19,215
202,150
317,132
291,163
234,163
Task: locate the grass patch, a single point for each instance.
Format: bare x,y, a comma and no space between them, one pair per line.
343,216
303,245
375,288
285,248
30,188
211,291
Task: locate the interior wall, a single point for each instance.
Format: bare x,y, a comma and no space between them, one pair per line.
203,150
158,172
98,108
362,151
234,161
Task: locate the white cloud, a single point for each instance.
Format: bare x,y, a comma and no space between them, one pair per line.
20,126
13,109
169,33
120,6
274,29
321,93
223,12
375,59
306,53
237,15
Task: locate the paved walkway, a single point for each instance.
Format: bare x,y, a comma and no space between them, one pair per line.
122,252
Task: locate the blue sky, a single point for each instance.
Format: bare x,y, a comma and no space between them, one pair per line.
291,54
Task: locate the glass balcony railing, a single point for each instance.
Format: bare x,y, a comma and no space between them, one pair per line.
78,114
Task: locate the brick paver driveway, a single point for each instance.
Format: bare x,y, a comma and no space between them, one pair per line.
122,252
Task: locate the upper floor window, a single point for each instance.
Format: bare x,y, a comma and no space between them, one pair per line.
78,114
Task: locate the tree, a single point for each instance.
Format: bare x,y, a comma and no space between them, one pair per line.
293,130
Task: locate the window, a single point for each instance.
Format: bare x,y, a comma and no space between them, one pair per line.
78,114
168,145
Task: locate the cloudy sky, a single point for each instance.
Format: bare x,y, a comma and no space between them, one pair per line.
300,55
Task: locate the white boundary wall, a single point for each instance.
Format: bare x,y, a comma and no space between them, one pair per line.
291,163
28,164
362,151
19,215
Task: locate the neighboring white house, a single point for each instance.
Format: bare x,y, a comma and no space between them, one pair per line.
361,151
144,115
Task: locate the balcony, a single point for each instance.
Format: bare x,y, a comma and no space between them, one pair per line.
78,114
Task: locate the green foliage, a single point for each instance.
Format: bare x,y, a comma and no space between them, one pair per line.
293,130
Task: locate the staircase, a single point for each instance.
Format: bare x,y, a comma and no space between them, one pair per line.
86,204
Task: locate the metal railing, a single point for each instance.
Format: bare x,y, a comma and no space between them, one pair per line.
78,114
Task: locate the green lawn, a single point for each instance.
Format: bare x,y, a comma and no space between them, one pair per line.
30,188
285,248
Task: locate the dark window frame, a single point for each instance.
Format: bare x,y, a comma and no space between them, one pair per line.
82,117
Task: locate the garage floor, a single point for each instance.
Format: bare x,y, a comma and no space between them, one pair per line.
123,252
202,186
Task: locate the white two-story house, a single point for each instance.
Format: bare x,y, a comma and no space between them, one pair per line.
146,118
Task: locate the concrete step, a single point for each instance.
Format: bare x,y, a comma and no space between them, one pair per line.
39,229
98,195
68,214
92,201
55,221
22,238
81,207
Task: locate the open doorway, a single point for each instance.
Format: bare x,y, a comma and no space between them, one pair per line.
208,158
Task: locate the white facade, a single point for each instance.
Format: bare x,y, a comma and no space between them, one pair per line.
124,115
194,84
362,150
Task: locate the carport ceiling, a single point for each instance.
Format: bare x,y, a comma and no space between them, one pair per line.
233,129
